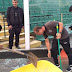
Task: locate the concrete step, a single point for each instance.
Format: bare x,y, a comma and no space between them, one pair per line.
33,44
6,28
2,33
7,32
1,16
2,24
3,38
21,41
1,20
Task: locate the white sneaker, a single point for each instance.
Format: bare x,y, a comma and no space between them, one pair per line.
69,69
58,65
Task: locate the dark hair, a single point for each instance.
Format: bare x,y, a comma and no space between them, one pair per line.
70,27
70,9
15,0
37,28
0,27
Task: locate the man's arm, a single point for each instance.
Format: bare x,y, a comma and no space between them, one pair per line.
22,19
60,30
8,16
60,27
70,28
48,47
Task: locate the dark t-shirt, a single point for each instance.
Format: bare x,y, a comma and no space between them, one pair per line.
50,29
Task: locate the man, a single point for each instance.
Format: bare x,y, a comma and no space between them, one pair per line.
70,28
0,30
50,29
15,19
70,10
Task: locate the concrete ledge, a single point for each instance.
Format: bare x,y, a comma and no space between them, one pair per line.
1,16
39,52
7,32
2,24
21,41
33,44
7,37
6,28
1,19
2,33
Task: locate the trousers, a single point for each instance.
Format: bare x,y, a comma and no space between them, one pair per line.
66,46
11,37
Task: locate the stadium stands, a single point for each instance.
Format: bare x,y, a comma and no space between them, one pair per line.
42,11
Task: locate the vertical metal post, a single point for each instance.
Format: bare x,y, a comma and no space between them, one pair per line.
4,19
61,17
4,26
26,24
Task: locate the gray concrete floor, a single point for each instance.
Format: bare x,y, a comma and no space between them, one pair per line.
7,65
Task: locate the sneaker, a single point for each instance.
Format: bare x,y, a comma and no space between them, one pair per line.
58,65
68,69
18,47
71,67
10,47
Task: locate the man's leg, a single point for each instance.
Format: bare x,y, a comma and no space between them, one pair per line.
17,32
54,51
11,36
66,45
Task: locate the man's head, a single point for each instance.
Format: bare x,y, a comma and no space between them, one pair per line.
70,28
70,9
0,27
15,3
39,30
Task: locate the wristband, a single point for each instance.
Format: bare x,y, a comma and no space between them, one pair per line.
49,51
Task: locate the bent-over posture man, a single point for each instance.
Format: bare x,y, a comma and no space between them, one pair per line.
50,29
70,10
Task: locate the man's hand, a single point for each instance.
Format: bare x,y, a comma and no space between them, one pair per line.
10,27
58,35
1,47
70,28
49,54
23,27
